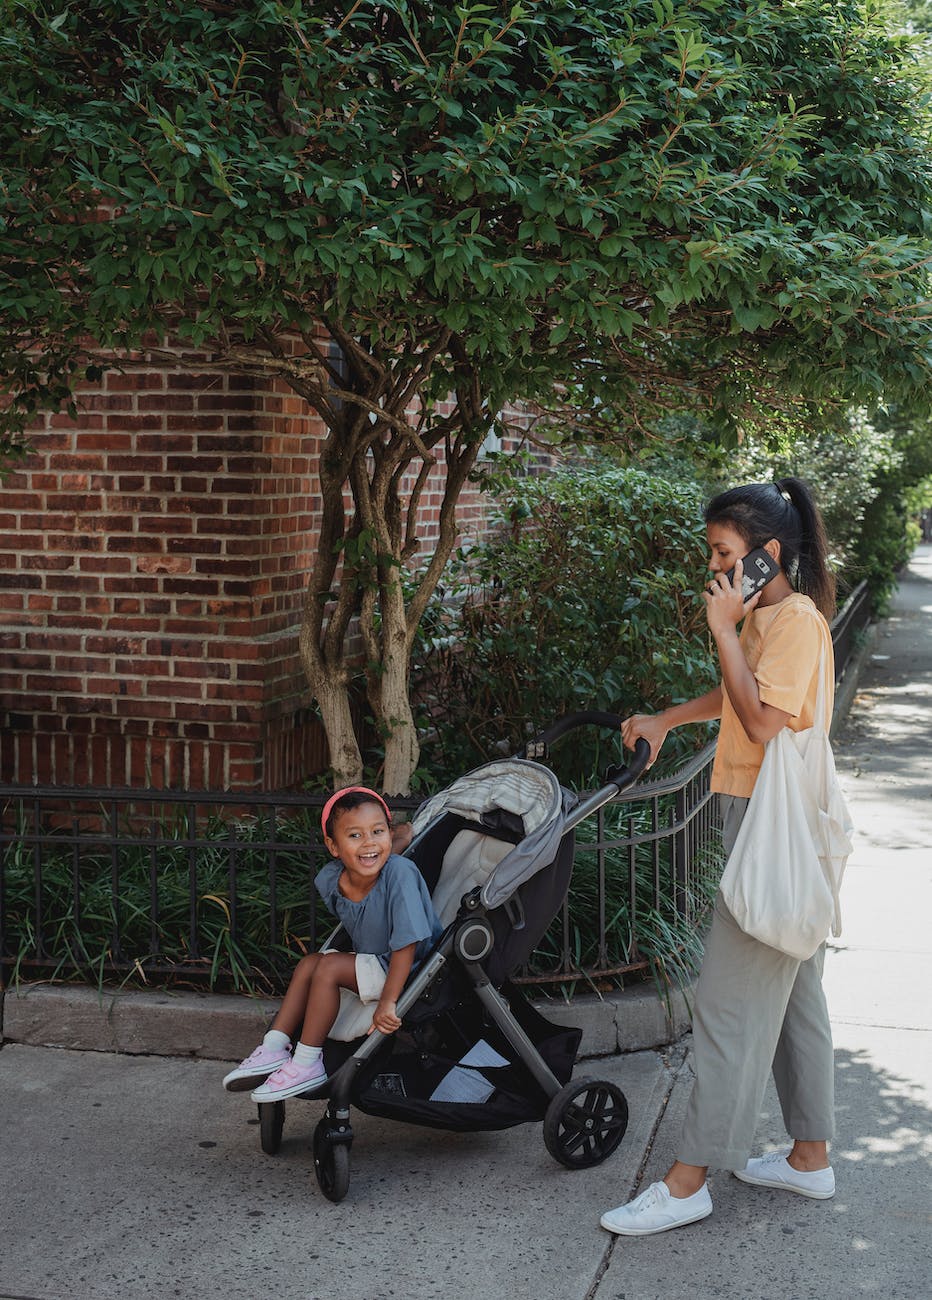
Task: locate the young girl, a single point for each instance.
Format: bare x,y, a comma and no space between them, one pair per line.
755,1007
382,902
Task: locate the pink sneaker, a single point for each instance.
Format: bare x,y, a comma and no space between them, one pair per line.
258,1064
291,1080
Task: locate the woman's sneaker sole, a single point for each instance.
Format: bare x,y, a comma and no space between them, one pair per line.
607,1224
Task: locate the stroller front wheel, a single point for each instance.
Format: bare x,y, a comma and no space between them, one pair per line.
585,1122
331,1163
271,1123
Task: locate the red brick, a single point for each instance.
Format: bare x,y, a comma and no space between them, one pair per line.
209,423
73,542
166,524
134,544
164,564
41,682
104,564
194,382
50,563
166,402
71,620
133,381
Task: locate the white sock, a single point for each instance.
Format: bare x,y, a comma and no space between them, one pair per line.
276,1039
304,1055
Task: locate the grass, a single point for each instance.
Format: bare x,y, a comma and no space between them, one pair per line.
646,934
174,908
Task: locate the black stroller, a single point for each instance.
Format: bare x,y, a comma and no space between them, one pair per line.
496,849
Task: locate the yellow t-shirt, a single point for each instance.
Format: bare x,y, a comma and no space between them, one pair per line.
782,644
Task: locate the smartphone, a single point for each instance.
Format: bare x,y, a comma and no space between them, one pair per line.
759,568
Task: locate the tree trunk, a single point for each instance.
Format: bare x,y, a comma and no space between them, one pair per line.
361,556
330,691
391,687
402,750
328,682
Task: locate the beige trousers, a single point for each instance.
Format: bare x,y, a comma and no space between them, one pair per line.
755,1009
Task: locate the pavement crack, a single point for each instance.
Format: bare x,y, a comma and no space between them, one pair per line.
675,1061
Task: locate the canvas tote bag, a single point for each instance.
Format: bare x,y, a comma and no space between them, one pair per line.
782,878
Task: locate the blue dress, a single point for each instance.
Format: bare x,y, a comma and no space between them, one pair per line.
396,911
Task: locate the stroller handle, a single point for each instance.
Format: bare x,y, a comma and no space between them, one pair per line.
570,722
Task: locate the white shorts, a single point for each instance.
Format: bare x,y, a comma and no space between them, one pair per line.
370,977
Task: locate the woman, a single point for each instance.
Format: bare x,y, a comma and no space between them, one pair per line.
755,1007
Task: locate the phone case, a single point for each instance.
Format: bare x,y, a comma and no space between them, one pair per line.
759,568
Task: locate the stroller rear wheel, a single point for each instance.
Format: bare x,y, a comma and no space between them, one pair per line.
271,1123
585,1122
331,1162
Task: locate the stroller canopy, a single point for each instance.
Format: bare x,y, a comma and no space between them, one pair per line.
521,790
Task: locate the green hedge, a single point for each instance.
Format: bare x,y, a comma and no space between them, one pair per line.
588,596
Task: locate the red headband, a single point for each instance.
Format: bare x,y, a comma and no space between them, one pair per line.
351,789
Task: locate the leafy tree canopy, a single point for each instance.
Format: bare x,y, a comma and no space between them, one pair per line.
655,202
620,206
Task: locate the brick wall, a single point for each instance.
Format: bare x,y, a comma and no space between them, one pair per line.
153,561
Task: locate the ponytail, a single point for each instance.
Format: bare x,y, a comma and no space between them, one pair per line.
786,511
814,579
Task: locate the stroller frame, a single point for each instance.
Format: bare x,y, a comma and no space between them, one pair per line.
585,1119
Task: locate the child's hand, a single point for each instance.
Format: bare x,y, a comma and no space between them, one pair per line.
725,605
385,1019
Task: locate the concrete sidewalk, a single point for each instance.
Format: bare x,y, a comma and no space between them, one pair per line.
130,1176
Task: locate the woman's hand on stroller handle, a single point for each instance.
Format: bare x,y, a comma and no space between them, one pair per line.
645,727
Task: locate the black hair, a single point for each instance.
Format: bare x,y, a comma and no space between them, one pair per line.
784,510
346,802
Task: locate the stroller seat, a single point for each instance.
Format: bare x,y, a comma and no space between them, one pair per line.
468,863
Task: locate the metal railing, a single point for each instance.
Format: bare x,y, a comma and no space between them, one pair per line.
646,869
217,889
848,626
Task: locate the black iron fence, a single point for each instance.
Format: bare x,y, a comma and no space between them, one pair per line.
849,626
217,889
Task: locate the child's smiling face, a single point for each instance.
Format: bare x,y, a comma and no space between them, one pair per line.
362,840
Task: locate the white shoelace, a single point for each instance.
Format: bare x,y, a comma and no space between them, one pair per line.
773,1157
649,1198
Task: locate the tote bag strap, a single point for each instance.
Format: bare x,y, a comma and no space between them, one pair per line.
819,722
820,727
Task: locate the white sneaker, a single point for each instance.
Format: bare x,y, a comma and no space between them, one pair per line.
776,1171
656,1210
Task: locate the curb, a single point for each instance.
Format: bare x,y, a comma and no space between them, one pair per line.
222,1027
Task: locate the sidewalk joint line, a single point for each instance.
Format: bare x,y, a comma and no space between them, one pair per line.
675,1062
